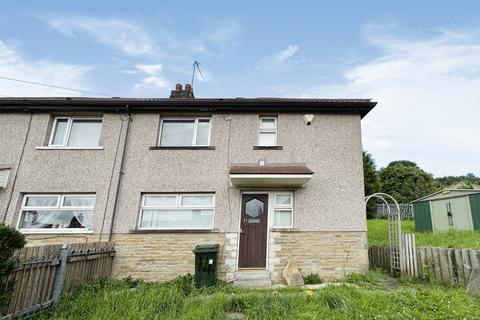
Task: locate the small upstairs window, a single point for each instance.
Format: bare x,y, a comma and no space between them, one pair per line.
75,132
267,136
185,132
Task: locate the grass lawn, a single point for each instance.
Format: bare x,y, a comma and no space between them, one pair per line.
366,299
378,235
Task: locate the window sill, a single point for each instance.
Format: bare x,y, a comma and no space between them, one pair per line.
55,231
67,148
283,229
267,148
183,148
175,231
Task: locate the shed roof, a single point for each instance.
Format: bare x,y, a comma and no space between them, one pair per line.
447,193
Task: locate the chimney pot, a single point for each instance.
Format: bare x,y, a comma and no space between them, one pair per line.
178,88
188,88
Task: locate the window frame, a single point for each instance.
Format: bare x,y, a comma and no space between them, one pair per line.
60,199
194,134
283,207
268,131
178,207
68,130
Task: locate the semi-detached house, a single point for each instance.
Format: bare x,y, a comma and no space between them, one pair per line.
268,179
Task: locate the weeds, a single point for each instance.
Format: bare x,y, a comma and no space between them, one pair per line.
179,299
312,278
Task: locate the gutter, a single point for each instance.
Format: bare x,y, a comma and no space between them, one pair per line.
120,174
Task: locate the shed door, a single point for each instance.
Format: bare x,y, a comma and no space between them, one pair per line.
452,213
253,235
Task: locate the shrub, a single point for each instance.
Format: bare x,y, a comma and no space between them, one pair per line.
10,240
312,278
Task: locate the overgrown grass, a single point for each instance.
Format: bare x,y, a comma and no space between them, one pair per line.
179,299
378,235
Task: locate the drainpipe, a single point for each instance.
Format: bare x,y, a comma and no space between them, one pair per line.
120,174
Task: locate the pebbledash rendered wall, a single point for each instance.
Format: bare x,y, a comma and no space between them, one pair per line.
329,233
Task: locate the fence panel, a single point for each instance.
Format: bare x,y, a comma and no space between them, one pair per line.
441,264
43,272
406,210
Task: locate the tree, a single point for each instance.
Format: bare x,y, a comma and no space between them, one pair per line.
405,181
371,181
10,240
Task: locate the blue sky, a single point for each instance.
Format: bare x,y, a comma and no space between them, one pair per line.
419,59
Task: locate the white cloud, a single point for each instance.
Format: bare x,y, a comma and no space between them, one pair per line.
149,68
222,35
152,81
283,55
428,100
285,61
122,35
13,65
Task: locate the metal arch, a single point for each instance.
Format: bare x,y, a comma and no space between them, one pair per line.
394,231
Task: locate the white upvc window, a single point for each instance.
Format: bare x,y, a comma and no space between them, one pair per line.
56,212
185,132
75,132
183,211
267,135
283,210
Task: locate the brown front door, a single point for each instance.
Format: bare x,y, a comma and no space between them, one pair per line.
253,235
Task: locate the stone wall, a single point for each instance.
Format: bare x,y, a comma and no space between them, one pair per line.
330,254
163,256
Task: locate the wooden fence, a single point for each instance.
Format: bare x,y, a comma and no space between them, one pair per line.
44,272
441,264
406,210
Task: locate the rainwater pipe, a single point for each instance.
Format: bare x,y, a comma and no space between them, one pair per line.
120,173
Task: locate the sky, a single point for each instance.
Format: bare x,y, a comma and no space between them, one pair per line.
420,60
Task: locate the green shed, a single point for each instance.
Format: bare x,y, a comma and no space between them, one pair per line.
457,209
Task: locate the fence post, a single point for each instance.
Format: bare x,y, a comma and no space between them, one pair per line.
60,276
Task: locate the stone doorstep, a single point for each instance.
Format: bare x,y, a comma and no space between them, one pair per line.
252,279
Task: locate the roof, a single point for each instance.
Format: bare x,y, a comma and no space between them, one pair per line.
116,104
447,193
270,169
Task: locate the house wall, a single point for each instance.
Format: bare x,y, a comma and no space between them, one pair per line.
331,203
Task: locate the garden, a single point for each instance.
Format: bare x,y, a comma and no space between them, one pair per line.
378,235
370,296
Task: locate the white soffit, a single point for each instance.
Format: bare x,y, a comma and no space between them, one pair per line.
269,180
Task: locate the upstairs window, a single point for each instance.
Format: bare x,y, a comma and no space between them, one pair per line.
177,211
267,136
57,211
185,132
75,132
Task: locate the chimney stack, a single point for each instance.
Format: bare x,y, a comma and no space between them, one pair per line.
178,93
178,88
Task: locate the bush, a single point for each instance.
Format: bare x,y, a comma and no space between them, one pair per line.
10,240
312,278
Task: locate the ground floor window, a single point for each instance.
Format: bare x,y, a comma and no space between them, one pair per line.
177,211
57,211
283,210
